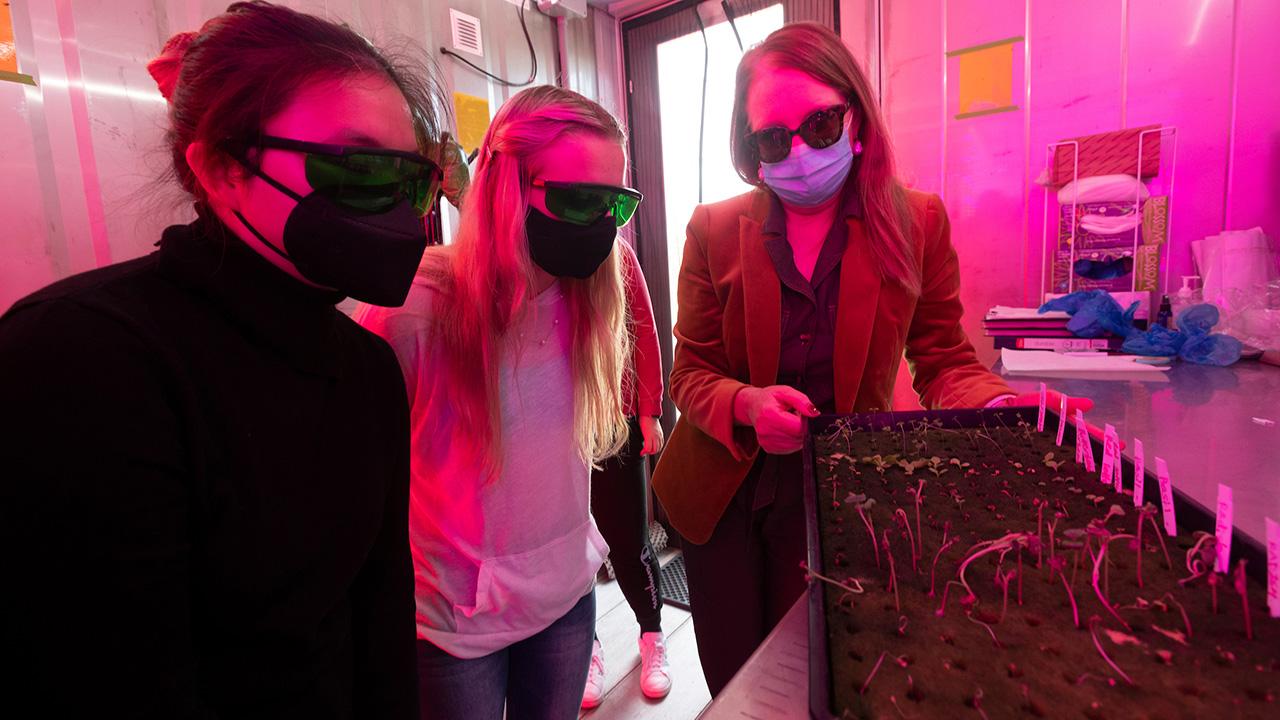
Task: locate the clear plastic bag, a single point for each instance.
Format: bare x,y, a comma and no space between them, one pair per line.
1232,263
1254,315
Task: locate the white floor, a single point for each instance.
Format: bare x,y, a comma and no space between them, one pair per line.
617,629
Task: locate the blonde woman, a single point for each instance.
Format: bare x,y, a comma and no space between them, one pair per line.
513,344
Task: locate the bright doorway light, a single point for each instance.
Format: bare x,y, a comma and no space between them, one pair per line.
680,101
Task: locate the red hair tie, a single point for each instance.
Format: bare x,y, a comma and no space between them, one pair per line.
166,66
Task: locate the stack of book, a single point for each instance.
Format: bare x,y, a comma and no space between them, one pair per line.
1027,329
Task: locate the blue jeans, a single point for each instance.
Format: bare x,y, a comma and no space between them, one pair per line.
540,678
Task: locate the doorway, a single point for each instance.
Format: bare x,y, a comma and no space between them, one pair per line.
681,103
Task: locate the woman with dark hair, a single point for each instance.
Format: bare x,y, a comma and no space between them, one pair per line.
797,298
204,465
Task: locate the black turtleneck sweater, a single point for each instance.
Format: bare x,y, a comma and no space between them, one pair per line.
203,496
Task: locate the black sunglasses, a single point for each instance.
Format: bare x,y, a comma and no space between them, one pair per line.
585,203
368,179
822,128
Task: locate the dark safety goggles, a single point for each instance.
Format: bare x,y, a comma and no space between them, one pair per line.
367,179
822,128
585,203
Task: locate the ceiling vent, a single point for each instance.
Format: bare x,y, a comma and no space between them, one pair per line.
466,33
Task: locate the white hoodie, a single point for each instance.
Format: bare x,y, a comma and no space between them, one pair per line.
495,563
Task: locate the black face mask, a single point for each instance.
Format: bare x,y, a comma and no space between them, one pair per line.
566,249
371,258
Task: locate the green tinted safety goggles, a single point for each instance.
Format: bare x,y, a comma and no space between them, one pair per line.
368,179
585,203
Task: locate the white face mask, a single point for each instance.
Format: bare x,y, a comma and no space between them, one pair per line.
809,176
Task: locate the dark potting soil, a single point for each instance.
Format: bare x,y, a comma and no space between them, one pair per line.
992,497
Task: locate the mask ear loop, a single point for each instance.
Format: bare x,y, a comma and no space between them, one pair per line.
239,157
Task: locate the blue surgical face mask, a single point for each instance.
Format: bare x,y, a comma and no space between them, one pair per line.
809,177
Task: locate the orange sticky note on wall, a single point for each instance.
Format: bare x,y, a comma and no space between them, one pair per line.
986,79
8,51
472,115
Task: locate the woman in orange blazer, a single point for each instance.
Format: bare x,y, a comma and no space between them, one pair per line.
796,298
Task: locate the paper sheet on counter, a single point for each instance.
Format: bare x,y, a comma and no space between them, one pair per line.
1005,312
1095,366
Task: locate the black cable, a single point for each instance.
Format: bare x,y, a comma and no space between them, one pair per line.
533,56
728,14
702,116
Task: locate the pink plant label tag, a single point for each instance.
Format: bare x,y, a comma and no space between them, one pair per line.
1138,478
1084,448
1116,461
1166,498
1044,396
1110,448
1062,419
1226,508
1079,437
1273,567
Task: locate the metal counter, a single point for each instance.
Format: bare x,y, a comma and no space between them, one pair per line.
774,684
1201,421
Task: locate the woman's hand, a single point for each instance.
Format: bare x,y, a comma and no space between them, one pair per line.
1053,401
651,430
775,412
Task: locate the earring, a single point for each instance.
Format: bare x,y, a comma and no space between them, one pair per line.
857,148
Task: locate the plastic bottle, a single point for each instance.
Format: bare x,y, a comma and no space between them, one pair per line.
1186,295
1166,312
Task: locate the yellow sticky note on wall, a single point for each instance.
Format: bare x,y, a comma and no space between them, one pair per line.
8,51
472,114
986,79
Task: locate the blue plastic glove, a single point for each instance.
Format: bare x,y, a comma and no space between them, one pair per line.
1191,341
1215,349
1198,319
1159,341
1093,313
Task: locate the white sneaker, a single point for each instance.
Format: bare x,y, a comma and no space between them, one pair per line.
594,694
655,673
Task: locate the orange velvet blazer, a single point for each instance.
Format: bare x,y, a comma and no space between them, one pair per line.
728,335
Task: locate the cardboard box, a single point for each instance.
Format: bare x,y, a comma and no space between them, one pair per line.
1085,240
1110,153
1147,268
1062,273
1155,220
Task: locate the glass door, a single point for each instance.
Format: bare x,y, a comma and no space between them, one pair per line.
681,103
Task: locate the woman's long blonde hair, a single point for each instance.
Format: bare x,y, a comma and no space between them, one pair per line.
487,283
818,52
